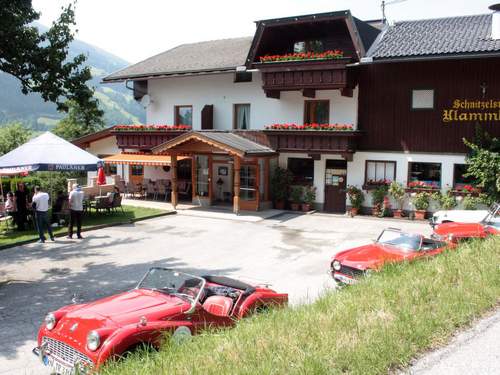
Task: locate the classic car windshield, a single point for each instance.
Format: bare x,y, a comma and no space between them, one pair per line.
404,241
173,282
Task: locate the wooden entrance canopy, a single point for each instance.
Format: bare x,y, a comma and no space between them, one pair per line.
211,143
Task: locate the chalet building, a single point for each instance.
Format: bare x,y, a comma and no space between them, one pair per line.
336,100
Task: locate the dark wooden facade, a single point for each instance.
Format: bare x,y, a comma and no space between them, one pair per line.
145,140
390,124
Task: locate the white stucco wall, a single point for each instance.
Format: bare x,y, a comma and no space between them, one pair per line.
356,168
104,146
220,91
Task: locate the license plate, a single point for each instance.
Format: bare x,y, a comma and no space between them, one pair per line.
344,279
58,367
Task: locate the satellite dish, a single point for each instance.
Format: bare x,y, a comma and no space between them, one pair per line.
146,101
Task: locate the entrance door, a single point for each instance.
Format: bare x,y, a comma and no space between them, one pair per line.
249,187
335,186
136,174
202,177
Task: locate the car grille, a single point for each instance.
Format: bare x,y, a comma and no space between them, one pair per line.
350,271
66,353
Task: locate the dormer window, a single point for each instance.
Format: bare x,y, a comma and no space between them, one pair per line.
308,46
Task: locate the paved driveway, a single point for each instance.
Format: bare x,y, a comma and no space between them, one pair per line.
292,252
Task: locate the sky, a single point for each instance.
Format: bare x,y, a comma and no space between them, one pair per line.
135,30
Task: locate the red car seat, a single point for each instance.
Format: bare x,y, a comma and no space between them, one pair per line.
218,305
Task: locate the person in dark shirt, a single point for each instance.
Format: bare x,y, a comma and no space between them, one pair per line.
58,206
22,205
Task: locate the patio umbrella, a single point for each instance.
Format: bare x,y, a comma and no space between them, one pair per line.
101,178
47,152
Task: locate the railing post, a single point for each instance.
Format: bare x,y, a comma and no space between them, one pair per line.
236,197
173,167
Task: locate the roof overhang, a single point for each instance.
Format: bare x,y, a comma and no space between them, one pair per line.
216,142
147,76
399,59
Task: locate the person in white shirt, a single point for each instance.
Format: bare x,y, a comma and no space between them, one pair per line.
41,206
76,211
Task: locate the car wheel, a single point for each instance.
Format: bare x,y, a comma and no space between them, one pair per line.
181,334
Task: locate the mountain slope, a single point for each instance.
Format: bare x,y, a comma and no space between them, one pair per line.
115,99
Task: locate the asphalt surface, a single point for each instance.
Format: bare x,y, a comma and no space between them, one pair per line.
475,351
292,252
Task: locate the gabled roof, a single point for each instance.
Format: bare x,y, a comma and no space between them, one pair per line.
210,56
86,139
451,36
223,140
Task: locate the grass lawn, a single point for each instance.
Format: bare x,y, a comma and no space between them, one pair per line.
12,237
374,327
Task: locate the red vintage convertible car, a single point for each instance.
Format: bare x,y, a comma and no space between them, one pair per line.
391,246
455,232
80,338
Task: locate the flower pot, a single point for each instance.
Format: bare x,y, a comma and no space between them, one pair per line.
397,214
295,206
420,214
354,211
279,205
306,207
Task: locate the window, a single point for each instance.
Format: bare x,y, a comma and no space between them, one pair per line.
379,172
459,180
184,115
305,46
302,170
241,116
248,182
243,77
422,99
424,175
136,170
110,169
317,112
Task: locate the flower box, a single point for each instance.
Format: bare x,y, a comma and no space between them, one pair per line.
150,128
311,127
307,56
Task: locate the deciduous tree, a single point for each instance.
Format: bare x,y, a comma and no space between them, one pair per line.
13,135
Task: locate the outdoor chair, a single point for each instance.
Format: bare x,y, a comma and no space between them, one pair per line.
130,189
117,203
163,190
184,189
151,190
102,203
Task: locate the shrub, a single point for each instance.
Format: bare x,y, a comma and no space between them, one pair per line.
397,191
446,201
356,196
470,203
309,194
378,196
280,183
296,194
421,201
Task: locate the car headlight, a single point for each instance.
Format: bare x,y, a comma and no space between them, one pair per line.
336,265
50,321
93,340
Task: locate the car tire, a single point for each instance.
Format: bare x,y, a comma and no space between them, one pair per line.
181,334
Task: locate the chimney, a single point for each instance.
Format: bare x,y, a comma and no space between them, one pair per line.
495,21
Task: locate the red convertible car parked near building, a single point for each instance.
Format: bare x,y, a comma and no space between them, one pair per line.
455,232
80,338
391,246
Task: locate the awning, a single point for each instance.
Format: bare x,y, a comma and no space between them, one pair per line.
140,159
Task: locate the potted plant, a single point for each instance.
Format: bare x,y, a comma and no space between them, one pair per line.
280,182
296,197
356,197
398,193
309,198
446,201
421,201
378,196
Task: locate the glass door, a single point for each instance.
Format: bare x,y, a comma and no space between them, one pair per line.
202,174
248,183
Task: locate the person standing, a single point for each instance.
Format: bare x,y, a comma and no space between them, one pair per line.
22,205
76,211
10,206
41,206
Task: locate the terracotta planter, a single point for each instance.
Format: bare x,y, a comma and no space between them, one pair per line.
420,214
306,207
295,206
279,205
397,214
354,211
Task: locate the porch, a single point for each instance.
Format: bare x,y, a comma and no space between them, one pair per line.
226,169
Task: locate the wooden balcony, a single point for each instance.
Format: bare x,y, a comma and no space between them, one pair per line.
314,142
144,140
307,76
